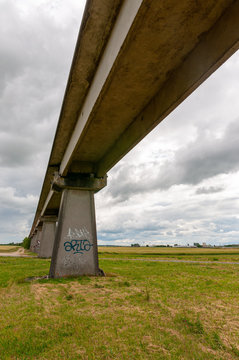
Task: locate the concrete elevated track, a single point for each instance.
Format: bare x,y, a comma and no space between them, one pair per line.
135,61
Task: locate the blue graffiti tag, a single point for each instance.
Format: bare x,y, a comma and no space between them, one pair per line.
78,246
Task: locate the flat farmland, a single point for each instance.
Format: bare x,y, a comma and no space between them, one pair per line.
8,248
139,310
200,254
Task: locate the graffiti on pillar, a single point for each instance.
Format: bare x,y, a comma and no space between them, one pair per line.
78,246
78,233
77,241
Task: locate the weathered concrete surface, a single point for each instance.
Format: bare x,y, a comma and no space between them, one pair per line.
33,242
75,247
47,237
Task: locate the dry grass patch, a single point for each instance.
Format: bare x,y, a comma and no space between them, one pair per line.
8,248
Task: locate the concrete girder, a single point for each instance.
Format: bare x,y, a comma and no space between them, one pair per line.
119,33
96,26
213,49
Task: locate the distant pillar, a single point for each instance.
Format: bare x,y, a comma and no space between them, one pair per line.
38,240
75,248
47,236
33,242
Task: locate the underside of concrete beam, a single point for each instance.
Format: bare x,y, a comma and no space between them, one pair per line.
213,49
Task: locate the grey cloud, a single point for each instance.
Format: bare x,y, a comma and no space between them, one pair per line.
15,214
36,53
204,158
209,190
188,219
224,224
15,151
37,43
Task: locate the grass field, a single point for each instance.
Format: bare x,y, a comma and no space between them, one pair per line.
140,310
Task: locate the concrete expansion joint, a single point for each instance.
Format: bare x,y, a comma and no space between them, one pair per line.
78,181
48,218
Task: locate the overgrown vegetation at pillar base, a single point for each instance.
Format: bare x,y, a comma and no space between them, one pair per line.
140,310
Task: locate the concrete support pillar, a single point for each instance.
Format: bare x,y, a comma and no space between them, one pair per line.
38,240
33,242
47,236
75,248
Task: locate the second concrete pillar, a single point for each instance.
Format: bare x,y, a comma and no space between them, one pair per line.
47,237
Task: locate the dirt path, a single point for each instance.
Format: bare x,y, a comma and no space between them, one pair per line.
18,253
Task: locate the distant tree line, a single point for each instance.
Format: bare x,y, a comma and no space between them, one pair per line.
26,242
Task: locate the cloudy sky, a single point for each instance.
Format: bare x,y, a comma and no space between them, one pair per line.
179,185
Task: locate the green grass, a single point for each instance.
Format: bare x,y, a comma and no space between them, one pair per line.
140,310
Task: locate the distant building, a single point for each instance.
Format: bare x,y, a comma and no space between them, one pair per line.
197,244
204,245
